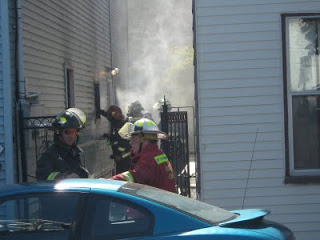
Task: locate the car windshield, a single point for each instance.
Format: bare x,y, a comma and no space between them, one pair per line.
200,210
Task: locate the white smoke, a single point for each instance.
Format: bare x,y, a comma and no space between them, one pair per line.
154,28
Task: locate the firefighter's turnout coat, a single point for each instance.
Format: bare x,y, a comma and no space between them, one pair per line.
150,167
59,160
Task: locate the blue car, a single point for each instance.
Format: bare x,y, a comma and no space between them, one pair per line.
97,209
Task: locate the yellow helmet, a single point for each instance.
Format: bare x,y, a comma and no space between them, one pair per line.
143,126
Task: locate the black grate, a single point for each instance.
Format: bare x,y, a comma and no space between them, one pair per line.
175,124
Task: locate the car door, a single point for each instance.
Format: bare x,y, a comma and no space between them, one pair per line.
38,216
114,218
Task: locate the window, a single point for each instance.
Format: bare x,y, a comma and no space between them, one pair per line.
38,216
114,219
302,90
69,86
97,99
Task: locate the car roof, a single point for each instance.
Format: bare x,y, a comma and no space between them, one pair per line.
67,184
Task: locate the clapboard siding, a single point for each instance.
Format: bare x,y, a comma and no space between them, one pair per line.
249,101
242,64
56,31
240,46
217,3
244,164
240,92
243,137
235,19
264,8
241,28
241,110
240,73
241,116
240,83
239,37
76,32
275,192
244,119
238,55
241,183
243,155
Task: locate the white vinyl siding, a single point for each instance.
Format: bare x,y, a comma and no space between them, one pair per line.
240,97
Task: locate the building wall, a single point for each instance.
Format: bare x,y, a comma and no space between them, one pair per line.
241,113
77,33
119,42
7,163
2,136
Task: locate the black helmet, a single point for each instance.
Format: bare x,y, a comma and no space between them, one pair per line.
114,113
70,118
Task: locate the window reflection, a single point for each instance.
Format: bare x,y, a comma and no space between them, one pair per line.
306,133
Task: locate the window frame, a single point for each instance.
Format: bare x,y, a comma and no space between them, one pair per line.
292,175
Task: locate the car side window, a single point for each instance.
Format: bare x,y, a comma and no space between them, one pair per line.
113,218
44,215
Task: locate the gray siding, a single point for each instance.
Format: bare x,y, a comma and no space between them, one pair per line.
56,31
241,117
77,32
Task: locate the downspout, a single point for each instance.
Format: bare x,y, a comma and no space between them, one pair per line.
7,93
197,112
20,95
21,82
113,97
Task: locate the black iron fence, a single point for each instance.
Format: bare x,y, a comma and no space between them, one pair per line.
34,142
175,124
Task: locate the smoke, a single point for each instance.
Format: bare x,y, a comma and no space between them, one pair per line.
156,29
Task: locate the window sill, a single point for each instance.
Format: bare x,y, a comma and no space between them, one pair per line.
302,179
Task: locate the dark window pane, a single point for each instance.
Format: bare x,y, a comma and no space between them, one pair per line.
113,219
306,132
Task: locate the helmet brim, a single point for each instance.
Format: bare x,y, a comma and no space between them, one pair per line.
160,135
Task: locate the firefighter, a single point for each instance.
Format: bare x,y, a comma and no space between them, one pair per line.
159,107
120,147
149,165
62,159
148,115
134,111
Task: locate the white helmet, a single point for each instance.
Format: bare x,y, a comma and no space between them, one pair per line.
143,126
159,105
